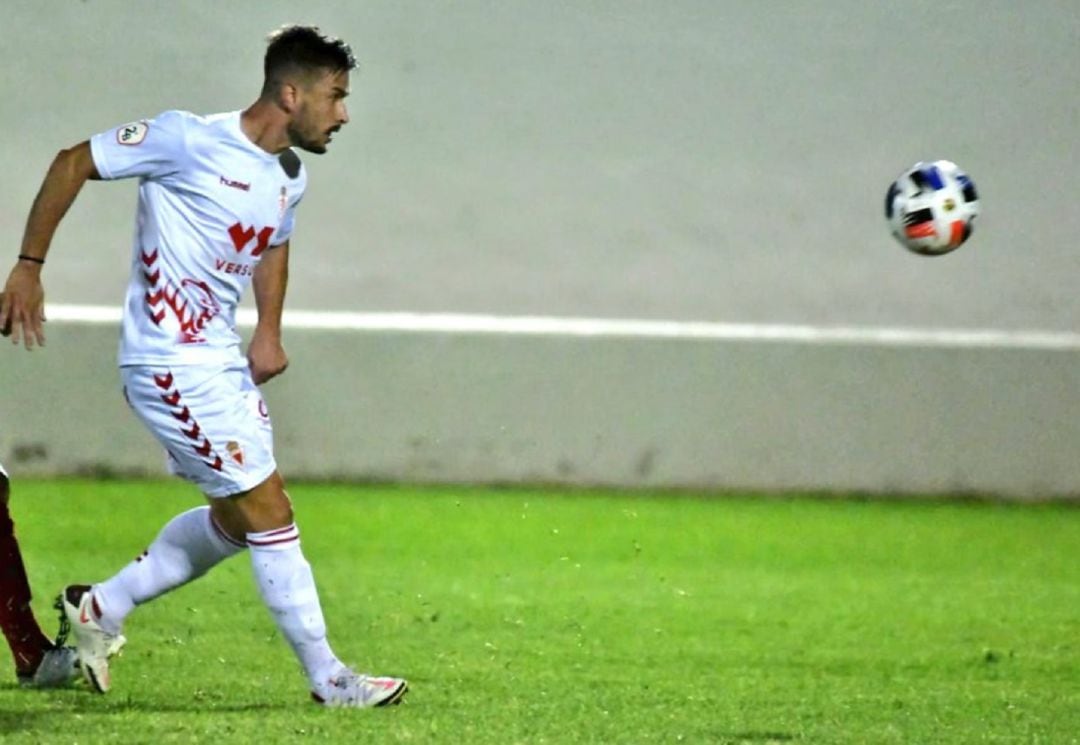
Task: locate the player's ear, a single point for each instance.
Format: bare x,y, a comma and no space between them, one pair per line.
289,97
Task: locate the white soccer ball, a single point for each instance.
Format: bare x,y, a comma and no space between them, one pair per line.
931,207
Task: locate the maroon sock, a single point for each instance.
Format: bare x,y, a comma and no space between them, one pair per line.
26,639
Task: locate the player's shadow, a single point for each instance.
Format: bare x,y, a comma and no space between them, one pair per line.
42,723
86,703
96,707
22,721
735,737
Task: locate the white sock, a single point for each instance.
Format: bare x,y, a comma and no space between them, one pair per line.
186,548
287,587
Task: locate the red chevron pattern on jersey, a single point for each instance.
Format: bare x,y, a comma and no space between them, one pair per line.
193,303
199,442
154,293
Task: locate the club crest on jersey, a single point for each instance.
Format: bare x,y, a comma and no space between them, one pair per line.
235,452
132,134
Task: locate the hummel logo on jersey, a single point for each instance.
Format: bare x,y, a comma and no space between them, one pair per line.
235,184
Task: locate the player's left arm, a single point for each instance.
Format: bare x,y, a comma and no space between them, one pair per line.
22,309
266,355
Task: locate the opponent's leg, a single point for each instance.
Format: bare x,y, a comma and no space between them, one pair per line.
264,516
34,653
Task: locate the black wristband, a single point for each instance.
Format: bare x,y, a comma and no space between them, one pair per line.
35,259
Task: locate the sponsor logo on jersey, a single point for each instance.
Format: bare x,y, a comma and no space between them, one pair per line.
132,134
231,267
235,184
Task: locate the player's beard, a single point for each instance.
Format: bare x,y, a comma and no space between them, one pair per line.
312,143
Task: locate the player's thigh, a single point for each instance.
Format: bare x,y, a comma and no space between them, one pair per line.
211,421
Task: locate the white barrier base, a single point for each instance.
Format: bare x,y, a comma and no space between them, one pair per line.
417,398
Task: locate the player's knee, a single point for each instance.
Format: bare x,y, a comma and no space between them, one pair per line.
278,506
279,513
268,505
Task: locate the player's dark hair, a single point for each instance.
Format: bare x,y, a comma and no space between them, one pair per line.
303,49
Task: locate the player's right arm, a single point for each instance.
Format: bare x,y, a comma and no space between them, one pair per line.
22,303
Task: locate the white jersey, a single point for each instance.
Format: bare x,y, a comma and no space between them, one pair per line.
210,203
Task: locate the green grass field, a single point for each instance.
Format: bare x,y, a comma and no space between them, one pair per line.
536,616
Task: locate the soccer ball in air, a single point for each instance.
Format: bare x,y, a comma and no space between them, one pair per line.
931,207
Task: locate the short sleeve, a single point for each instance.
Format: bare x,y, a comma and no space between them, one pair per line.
148,148
288,222
288,219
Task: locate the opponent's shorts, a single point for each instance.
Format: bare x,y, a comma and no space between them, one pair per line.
210,419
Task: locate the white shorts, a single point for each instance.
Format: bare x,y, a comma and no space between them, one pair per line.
210,419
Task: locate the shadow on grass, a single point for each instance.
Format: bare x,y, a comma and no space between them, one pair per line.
47,720
22,721
86,704
92,707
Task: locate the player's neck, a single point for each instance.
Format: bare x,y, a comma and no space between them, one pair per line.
264,125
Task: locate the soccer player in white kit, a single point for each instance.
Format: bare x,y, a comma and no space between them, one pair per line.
217,199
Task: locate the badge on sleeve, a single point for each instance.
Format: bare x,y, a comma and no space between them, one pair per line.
132,134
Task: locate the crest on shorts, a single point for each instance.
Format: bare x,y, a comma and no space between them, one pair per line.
235,452
132,134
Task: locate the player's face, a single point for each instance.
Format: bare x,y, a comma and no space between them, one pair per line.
321,112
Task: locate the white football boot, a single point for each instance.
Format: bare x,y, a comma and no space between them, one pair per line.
93,645
356,690
59,668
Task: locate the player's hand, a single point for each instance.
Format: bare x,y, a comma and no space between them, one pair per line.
266,358
22,307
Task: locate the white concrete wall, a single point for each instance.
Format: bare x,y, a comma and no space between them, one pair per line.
429,406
